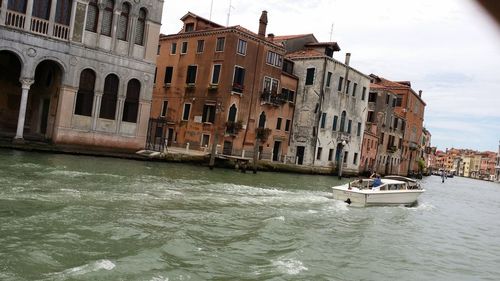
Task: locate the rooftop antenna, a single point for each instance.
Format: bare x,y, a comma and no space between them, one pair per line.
331,33
211,7
229,12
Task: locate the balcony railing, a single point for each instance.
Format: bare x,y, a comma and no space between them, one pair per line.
15,19
39,26
36,25
238,88
268,97
61,31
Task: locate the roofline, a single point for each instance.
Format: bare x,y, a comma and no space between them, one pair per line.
200,18
332,59
223,30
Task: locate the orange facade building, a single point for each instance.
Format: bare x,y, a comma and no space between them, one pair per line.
224,85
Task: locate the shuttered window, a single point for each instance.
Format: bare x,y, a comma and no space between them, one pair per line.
41,9
92,16
107,18
63,11
123,22
140,27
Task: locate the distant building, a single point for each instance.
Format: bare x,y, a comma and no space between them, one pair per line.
330,105
226,86
497,165
78,72
390,128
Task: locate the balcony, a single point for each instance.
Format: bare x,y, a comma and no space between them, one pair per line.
272,98
238,88
233,128
392,149
36,25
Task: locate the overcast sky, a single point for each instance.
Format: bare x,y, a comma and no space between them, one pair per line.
449,49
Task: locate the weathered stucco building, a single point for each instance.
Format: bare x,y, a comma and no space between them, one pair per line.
390,129
411,107
330,105
223,85
78,72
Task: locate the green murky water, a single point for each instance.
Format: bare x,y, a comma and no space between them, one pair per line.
65,217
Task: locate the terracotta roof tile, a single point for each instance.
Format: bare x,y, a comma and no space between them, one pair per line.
305,53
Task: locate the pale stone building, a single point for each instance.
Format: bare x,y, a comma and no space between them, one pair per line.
497,165
330,107
78,72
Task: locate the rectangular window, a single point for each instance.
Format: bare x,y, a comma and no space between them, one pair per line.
208,113
345,156
239,79
310,76
219,47
158,51
200,46
184,47
291,95
387,99
335,119
274,59
399,100
349,125
341,81
355,159
363,94
185,113
347,87
156,72
242,47
330,154
323,120
287,125
216,74
278,124
168,75
394,100
318,154
354,88
189,27
372,97
191,74
370,117
328,79
358,131
164,109
173,48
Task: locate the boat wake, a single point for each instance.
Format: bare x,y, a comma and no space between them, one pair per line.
84,269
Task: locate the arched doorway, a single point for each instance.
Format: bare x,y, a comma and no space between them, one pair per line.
10,92
42,101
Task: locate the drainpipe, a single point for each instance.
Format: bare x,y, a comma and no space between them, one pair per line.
320,106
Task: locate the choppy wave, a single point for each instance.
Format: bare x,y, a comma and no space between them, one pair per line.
289,266
87,268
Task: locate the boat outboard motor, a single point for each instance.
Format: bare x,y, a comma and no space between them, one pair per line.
348,201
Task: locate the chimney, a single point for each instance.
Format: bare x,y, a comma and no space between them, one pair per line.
263,24
420,93
270,36
347,58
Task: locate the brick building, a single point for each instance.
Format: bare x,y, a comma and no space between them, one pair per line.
223,85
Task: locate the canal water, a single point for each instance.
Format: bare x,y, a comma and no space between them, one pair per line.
66,217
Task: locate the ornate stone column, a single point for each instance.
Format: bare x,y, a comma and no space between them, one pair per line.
97,108
114,27
52,17
101,6
119,113
131,32
29,11
26,84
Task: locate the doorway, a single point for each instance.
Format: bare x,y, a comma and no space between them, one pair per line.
300,154
276,151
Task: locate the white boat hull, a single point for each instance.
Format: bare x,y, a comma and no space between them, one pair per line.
364,198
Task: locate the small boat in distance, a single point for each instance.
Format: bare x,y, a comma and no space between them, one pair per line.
361,193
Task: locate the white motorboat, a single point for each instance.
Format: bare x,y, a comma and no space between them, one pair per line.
391,192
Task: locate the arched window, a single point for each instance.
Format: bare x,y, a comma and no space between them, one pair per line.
17,5
342,121
262,120
63,11
123,22
140,27
109,96
85,95
131,105
232,113
92,16
41,9
107,18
